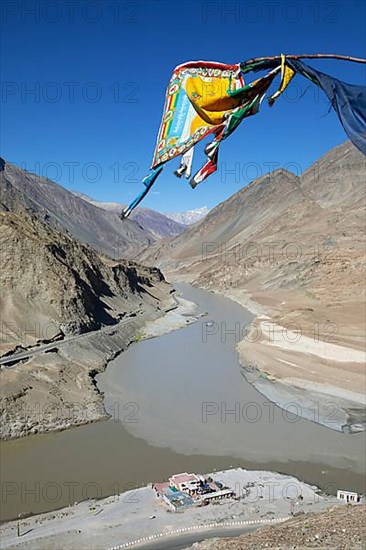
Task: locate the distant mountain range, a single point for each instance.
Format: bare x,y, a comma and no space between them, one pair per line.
64,211
189,217
158,225
161,225
94,222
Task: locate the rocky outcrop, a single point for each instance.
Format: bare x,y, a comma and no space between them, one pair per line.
57,390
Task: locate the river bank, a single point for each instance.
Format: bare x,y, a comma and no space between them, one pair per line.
303,362
57,390
126,517
155,427
296,352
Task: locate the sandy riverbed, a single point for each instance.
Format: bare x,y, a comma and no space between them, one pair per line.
183,314
294,363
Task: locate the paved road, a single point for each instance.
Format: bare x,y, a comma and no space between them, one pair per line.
56,344
185,541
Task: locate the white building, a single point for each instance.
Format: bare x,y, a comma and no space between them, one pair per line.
348,496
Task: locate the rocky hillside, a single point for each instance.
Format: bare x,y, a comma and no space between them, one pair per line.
325,203
51,280
52,288
342,528
154,223
292,249
284,233
68,213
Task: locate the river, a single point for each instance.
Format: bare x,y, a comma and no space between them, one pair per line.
179,403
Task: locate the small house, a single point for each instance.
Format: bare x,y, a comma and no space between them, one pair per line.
348,496
189,483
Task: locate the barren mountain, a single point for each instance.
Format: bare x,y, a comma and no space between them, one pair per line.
155,223
291,248
159,225
53,288
49,279
63,210
280,208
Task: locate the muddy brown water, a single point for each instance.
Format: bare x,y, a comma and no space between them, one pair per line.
178,403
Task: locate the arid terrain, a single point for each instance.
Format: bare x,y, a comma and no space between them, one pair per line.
154,223
291,248
61,209
342,527
262,497
55,288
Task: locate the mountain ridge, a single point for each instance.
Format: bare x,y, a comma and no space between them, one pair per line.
155,223
189,217
66,212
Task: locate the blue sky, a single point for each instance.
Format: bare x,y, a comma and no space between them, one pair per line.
84,84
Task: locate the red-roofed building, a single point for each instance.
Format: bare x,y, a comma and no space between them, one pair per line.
185,482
